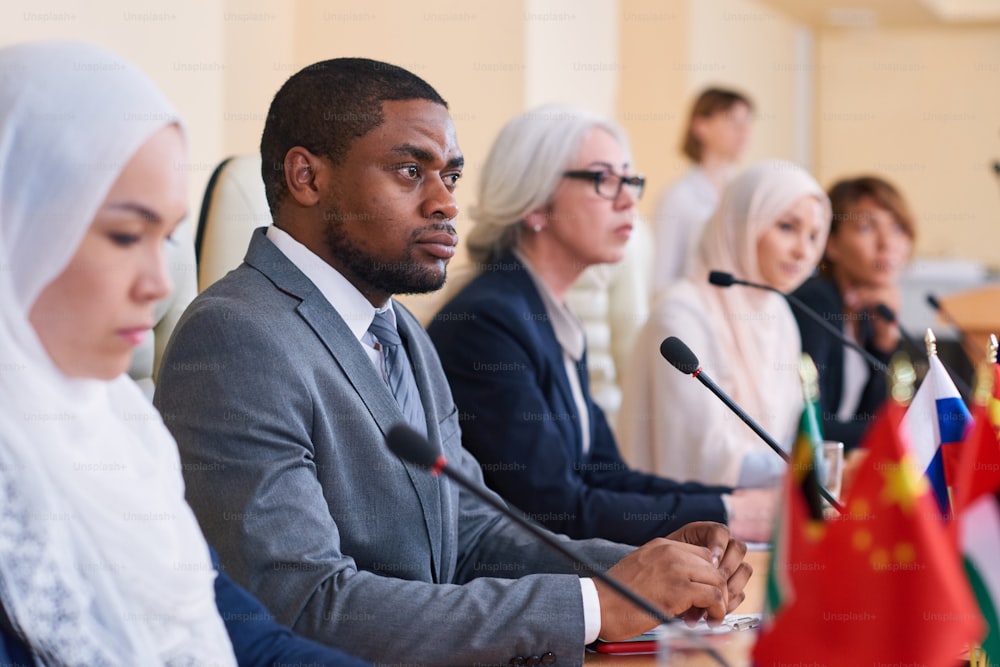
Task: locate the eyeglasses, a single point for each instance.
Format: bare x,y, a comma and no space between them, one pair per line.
608,184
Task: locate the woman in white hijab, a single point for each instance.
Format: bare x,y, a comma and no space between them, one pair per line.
770,228
101,560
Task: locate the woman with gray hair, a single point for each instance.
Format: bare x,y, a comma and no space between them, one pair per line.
557,194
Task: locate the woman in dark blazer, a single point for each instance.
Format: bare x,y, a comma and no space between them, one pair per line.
557,195
871,239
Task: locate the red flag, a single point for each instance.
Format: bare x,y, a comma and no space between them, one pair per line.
979,467
800,524
886,584
977,505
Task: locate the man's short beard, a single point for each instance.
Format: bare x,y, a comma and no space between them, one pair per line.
400,276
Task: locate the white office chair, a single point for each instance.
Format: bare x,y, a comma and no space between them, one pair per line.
182,268
612,302
234,205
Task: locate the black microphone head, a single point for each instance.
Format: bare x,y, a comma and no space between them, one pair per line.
721,279
932,300
885,312
679,355
412,447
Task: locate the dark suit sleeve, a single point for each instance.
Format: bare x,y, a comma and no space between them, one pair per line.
524,440
13,652
828,354
259,640
610,471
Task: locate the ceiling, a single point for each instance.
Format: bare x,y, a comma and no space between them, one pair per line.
890,13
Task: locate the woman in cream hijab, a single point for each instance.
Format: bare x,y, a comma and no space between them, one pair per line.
770,228
101,560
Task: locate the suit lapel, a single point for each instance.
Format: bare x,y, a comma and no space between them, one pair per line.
348,353
522,283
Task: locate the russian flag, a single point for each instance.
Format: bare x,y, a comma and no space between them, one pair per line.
936,422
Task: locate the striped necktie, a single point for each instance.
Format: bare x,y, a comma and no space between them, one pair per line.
401,380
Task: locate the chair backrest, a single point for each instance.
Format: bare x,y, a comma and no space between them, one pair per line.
612,302
234,205
183,273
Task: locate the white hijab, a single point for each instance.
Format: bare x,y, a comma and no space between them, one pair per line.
756,326
101,560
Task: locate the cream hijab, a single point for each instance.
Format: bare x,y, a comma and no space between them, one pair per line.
101,560
749,322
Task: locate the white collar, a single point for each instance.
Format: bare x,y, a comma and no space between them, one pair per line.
346,299
568,330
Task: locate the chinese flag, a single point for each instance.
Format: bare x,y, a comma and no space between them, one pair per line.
885,584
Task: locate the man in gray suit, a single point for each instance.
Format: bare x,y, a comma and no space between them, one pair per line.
280,396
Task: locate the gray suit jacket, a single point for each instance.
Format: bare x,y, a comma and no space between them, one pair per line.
281,418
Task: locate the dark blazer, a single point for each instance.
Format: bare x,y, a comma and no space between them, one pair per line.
827,352
519,420
256,637
281,417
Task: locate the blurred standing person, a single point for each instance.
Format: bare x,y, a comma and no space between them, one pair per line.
717,131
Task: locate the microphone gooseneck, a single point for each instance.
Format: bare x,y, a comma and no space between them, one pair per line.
887,314
409,445
414,448
963,339
681,357
723,279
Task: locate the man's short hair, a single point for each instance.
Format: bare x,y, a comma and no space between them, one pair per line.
325,107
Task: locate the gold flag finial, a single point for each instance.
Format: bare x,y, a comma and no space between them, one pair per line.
984,374
810,378
931,343
902,377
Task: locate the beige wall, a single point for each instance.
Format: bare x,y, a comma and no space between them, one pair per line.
752,48
574,55
471,52
673,50
655,87
193,74
921,106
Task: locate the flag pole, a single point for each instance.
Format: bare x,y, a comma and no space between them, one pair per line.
981,395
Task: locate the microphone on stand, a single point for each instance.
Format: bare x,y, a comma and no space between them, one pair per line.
723,279
414,448
963,339
886,313
680,356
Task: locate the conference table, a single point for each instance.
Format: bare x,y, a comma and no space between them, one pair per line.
734,647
